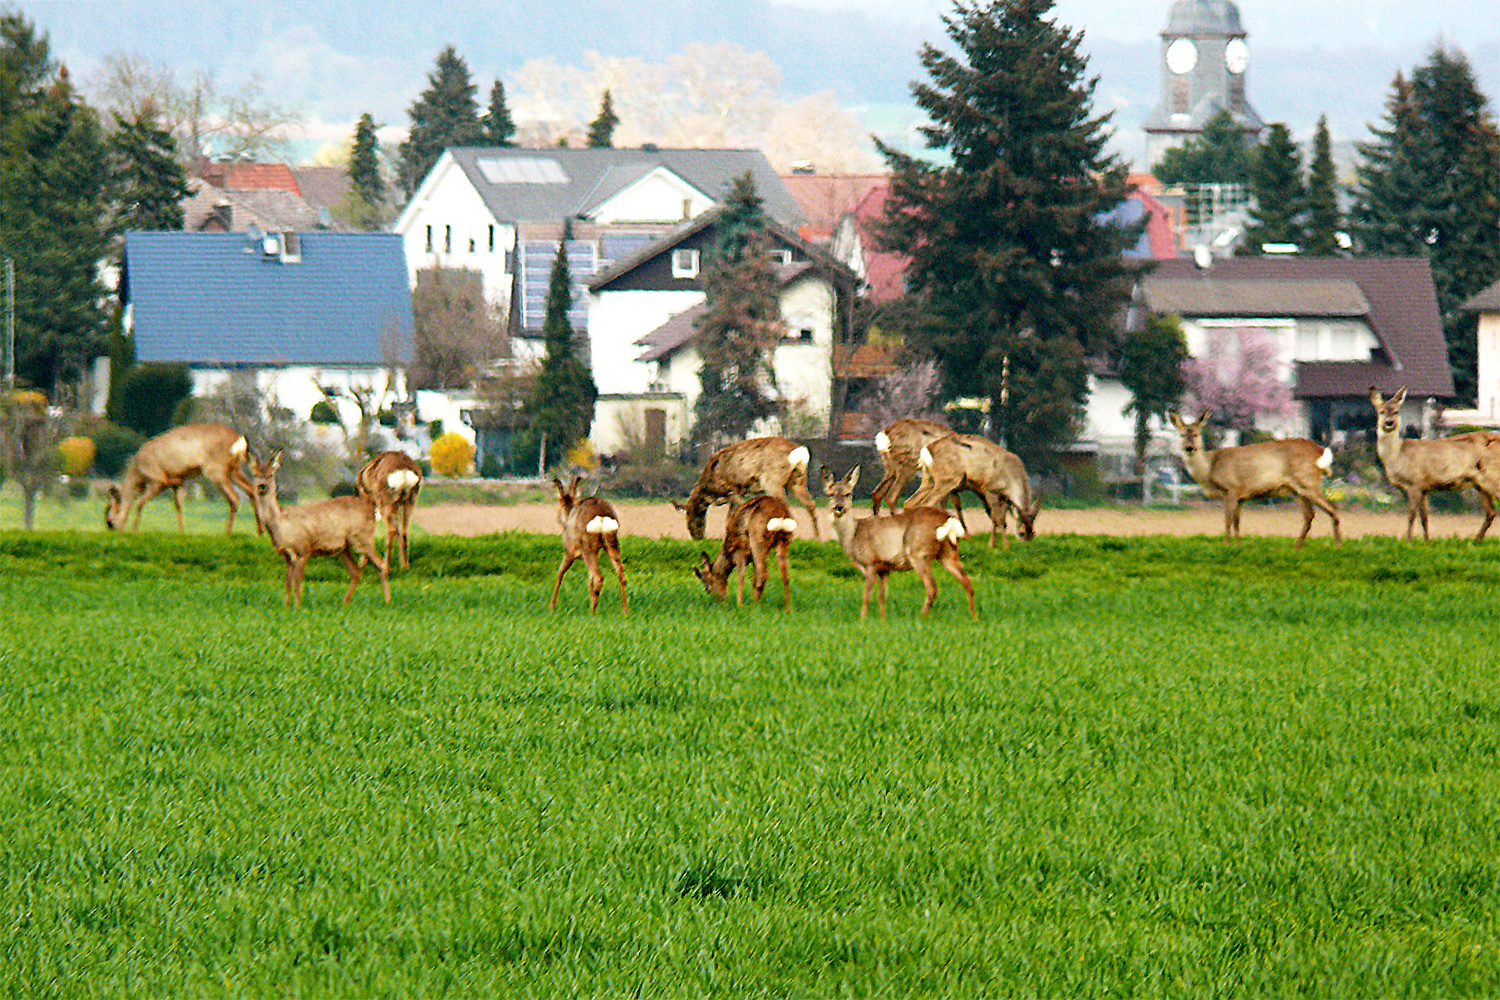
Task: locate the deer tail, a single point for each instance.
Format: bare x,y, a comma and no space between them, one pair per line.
925,457
602,525
951,530
882,442
777,525
799,457
1325,460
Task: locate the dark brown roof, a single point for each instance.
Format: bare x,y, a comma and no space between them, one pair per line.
672,334
1401,308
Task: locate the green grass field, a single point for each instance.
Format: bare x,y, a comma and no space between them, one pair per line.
1156,767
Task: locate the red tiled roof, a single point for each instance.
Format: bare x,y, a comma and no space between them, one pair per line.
250,177
827,198
885,271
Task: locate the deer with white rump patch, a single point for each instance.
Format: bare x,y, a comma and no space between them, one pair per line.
772,465
1267,468
1417,467
913,539
392,481
342,526
588,525
969,462
900,445
752,530
167,461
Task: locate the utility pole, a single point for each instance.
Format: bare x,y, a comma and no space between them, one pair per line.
10,323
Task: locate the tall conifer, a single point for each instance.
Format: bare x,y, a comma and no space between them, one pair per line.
602,128
499,128
446,114
1324,220
561,409
1276,187
149,183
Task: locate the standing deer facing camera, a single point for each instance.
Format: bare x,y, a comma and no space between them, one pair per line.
392,481
751,532
772,465
1267,468
1417,467
588,525
167,461
342,526
913,539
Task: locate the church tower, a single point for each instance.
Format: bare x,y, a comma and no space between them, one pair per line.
1204,62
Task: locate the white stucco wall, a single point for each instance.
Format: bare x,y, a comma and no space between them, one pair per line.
1489,365
621,422
616,321
659,197
295,388
449,204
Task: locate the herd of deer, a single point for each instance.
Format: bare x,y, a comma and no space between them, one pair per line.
913,536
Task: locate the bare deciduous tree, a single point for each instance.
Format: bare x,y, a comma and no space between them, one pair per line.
910,392
456,330
30,432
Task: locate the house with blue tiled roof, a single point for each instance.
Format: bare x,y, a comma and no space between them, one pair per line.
290,310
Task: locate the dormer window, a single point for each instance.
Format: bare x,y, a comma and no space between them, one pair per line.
684,263
780,256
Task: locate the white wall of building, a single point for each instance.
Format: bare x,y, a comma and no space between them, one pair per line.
616,321
659,197
448,210
1489,366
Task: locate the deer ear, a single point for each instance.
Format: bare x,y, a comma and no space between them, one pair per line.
1375,397
276,460
1176,420
1203,419
853,477
1400,396
827,479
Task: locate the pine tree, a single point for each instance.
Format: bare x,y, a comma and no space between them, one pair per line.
446,114
1150,363
1221,154
148,181
561,409
741,323
1276,187
1020,275
602,128
1428,185
1323,217
364,162
499,128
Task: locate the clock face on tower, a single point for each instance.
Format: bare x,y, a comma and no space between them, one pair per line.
1236,55
1182,56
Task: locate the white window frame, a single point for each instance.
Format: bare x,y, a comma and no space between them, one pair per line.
685,263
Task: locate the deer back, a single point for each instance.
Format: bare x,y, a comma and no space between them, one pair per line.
390,477
1267,466
184,452
901,441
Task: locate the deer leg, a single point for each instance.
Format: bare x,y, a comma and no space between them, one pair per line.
864,605
291,575
612,549
354,571
883,577
140,504
177,502
953,563
762,574
1423,510
568,560
238,478
1488,503
1231,515
382,566
596,578
886,484
1313,496
781,557
739,582
803,497
233,501
405,534
995,506
1307,518
929,585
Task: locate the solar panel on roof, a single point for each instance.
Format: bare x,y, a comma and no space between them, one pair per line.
521,170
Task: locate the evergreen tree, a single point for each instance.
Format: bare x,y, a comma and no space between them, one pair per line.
1222,154
1019,273
1276,187
1323,217
741,323
1150,363
499,129
25,65
561,409
446,114
1427,186
149,182
602,128
364,162
53,182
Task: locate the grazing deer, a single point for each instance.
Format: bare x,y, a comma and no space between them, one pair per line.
753,529
970,462
771,465
342,526
167,461
392,480
900,444
1268,468
588,525
912,539
1418,467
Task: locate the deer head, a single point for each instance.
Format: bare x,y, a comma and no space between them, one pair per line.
1192,433
715,584
1388,411
114,509
840,491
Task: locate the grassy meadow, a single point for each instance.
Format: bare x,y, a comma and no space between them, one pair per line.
1155,767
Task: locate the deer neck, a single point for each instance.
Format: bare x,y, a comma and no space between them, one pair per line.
269,509
1199,465
1388,446
843,527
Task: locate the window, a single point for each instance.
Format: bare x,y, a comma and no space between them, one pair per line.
429,239
781,256
291,248
447,239
492,239
684,263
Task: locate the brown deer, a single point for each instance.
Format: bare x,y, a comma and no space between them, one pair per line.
753,529
167,461
392,480
772,465
913,539
969,462
588,525
1419,467
342,526
900,445
1268,468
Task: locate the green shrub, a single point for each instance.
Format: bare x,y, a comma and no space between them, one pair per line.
186,412
113,446
324,412
149,396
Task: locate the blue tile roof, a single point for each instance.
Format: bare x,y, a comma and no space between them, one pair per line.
219,299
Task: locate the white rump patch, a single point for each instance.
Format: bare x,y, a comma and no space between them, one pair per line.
786,524
1325,461
602,525
882,442
950,530
238,449
378,518
402,479
926,457
799,457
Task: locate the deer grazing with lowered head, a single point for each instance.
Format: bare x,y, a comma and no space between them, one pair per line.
900,445
589,524
342,526
752,530
1267,468
392,481
772,465
969,462
913,539
167,461
1417,467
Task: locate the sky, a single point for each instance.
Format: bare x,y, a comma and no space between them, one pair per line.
336,59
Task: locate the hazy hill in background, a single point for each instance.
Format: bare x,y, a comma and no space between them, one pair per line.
340,58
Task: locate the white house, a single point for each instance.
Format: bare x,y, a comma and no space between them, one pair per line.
1487,408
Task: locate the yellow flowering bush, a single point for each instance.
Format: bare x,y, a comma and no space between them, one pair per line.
452,455
77,455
